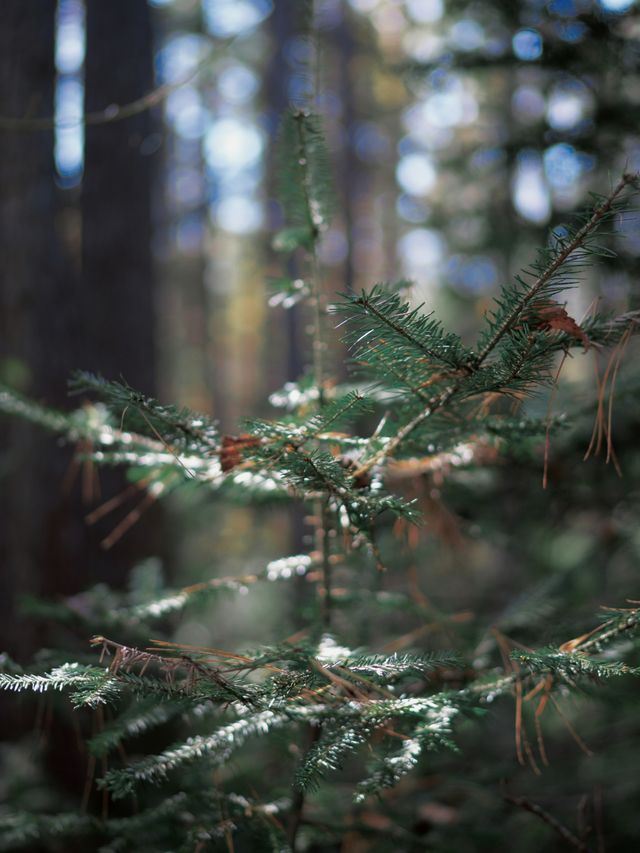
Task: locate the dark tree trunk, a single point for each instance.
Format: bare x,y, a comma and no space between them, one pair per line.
55,317
42,539
76,291
349,177
117,269
33,336
118,281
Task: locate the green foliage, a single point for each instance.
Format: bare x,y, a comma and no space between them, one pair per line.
306,192
185,430
89,685
24,828
407,339
556,268
216,748
427,403
327,754
140,717
571,666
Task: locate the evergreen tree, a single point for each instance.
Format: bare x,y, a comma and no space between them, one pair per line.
371,739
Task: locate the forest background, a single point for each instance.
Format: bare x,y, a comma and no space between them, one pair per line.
136,243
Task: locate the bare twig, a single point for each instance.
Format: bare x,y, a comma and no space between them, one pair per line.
297,805
323,533
111,113
126,657
561,829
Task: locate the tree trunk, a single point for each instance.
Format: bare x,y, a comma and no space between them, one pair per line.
76,291
117,268
34,328
118,281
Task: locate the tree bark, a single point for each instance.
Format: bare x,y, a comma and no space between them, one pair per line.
76,291
117,265
33,337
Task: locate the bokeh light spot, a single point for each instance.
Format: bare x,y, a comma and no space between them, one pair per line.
237,83
421,249
467,35
186,113
69,137
527,45
530,193
561,165
70,37
227,18
238,215
473,276
425,11
179,56
231,144
416,174
568,104
616,6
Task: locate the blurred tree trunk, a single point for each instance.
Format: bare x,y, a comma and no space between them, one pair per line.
117,267
43,542
350,165
36,318
76,291
118,276
55,318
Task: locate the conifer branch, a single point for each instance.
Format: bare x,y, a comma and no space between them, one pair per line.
560,258
627,622
521,303
392,444
125,658
69,675
419,332
217,748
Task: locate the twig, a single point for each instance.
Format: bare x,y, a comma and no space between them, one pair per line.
126,657
600,635
322,529
323,532
133,516
563,832
547,431
112,113
297,805
391,446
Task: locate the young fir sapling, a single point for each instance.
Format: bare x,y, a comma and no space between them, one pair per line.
429,395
